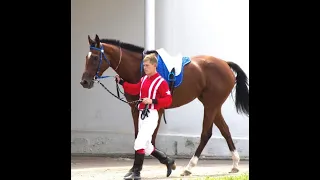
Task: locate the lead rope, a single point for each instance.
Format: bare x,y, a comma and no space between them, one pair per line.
145,112
118,97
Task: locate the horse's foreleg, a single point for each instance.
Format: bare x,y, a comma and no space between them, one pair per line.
154,136
209,114
135,117
224,129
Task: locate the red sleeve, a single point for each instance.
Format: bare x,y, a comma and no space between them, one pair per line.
165,98
132,89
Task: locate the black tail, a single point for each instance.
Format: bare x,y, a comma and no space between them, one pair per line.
242,91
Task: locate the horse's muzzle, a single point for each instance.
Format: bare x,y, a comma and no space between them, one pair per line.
86,84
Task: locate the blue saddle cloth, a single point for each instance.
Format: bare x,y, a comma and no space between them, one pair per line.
163,70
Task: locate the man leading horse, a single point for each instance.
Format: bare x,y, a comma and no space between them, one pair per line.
154,94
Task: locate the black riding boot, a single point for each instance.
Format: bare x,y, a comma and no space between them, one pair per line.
129,172
164,159
134,172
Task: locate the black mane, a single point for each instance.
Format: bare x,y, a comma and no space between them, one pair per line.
127,46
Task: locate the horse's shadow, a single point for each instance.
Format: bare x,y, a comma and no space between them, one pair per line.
176,175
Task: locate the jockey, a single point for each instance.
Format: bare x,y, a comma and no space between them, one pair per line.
155,94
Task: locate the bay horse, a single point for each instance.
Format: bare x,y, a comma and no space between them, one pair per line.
205,77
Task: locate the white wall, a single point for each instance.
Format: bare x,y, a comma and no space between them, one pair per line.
218,28
92,110
213,27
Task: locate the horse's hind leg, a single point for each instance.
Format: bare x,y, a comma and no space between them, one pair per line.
224,129
209,114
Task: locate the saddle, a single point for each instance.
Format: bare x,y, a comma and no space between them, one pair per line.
169,67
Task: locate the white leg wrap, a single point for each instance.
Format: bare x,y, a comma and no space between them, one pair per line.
235,158
192,163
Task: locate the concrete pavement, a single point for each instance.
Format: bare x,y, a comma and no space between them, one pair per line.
105,168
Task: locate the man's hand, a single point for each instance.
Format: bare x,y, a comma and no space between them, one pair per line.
147,101
117,78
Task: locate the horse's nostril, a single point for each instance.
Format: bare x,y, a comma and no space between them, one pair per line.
84,82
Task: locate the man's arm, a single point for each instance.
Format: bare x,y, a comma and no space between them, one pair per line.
165,98
132,89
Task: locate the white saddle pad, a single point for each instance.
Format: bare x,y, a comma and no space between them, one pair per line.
171,61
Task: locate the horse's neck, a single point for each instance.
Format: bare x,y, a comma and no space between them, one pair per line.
129,68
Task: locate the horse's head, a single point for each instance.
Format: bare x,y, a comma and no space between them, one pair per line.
96,63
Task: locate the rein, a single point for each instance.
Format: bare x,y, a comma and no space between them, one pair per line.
118,90
97,77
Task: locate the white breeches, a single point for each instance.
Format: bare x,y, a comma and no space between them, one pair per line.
145,131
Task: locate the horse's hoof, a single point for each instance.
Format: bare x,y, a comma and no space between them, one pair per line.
234,170
174,166
185,173
170,167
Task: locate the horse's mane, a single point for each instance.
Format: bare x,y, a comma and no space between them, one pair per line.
127,46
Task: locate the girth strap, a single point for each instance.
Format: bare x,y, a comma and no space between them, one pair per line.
172,79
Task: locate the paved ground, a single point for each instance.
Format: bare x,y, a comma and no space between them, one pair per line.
103,168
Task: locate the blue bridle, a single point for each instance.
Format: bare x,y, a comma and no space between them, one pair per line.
106,59
100,61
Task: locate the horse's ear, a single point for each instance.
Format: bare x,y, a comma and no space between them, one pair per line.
90,40
97,39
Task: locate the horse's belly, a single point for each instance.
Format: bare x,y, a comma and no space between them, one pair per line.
190,88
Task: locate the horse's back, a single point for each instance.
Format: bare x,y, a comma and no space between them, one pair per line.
191,87
204,73
217,72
